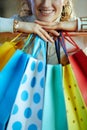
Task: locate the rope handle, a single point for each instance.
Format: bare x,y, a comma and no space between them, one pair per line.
28,42
14,39
71,41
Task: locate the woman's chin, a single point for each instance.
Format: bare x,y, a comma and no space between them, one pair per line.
45,19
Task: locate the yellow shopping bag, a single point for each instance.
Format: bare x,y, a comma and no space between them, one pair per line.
8,48
75,106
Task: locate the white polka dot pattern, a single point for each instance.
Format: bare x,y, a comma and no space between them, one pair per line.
27,110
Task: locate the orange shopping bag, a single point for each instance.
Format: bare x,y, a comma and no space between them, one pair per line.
8,48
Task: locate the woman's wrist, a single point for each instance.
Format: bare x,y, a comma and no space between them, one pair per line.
19,26
16,25
68,25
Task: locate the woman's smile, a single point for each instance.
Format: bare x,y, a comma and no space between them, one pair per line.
46,12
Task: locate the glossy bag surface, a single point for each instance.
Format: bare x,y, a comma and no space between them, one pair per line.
75,106
78,62
8,48
10,78
27,110
54,112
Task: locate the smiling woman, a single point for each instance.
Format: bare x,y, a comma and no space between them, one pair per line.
45,17
47,10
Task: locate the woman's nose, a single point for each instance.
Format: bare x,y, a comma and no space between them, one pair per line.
46,3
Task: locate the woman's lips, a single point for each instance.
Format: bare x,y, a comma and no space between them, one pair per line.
46,12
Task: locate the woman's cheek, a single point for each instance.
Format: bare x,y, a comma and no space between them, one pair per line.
59,2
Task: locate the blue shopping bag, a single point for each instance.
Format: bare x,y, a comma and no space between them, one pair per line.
12,71
10,78
28,107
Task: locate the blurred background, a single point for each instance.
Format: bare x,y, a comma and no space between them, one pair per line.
10,7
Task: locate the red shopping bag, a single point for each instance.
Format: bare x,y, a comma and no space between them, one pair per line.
78,61
79,64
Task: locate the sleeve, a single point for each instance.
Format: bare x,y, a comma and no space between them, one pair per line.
6,24
82,24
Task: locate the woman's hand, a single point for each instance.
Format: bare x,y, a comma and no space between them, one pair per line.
30,27
55,26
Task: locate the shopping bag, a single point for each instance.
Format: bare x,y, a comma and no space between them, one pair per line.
54,111
78,61
10,78
75,106
8,48
28,106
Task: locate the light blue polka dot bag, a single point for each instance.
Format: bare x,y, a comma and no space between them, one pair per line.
10,78
28,107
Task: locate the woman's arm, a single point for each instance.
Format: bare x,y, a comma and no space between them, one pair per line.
80,24
11,25
31,27
42,28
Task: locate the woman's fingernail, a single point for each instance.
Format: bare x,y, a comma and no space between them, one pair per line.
52,41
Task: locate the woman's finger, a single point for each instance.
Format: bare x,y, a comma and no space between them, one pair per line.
46,35
43,34
54,32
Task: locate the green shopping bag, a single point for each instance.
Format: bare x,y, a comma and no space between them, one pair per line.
54,111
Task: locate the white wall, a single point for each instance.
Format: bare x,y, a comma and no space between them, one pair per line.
8,7
80,7
11,7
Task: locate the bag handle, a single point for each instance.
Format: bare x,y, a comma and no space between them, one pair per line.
57,48
17,42
15,38
38,45
28,43
60,41
71,41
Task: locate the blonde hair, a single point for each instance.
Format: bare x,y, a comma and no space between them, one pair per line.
67,10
